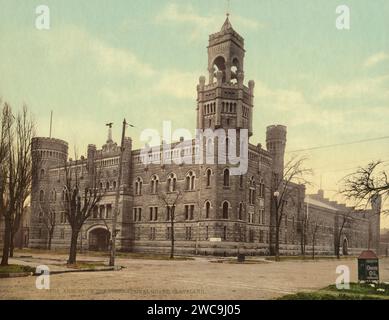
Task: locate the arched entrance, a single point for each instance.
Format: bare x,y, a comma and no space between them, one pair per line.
99,239
345,247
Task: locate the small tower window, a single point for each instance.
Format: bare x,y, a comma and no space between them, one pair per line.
226,178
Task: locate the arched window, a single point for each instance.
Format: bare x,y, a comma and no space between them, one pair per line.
114,184
154,184
190,181
225,207
209,174
207,209
240,211
261,188
42,173
226,178
219,65
41,195
171,182
107,185
138,186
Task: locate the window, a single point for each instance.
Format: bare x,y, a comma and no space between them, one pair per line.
262,216
240,211
138,186
108,211
261,236
190,181
224,233
241,182
171,182
168,213
42,173
153,213
207,209
154,184
95,212
209,174
226,178
225,207
261,188
252,191
206,232
189,212
152,233
41,196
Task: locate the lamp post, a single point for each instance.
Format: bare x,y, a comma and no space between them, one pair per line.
116,212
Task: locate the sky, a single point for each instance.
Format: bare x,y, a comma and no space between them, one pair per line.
102,60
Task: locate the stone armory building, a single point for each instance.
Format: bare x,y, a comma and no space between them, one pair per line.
216,212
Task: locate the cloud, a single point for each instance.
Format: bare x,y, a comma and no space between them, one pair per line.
374,88
376,59
177,84
200,24
70,43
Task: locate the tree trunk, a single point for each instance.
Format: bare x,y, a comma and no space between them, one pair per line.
172,233
73,247
11,245
7,242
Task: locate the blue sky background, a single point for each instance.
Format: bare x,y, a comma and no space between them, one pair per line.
105,60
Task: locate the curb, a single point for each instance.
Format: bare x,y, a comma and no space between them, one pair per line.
15,275
83,270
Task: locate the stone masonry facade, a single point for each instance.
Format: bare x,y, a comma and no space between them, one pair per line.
216,213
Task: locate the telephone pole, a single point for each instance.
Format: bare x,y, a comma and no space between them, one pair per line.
116,211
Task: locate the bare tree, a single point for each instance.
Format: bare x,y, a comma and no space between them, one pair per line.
344,218
16,171
79,201
283,188
49,220
303,227
367,184
170,199
314,227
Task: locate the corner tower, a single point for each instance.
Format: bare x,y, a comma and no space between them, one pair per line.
275,144
225,102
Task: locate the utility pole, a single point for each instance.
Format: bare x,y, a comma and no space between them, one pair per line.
116,212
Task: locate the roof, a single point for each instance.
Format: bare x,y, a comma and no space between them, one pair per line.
318,203
227,25
368,254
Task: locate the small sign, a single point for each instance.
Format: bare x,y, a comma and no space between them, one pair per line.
368,266
215,239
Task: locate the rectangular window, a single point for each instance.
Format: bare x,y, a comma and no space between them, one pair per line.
206,233
156,213
151,213
224,233
139,214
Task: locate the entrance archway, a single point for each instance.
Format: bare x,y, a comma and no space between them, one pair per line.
345,247
99,239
